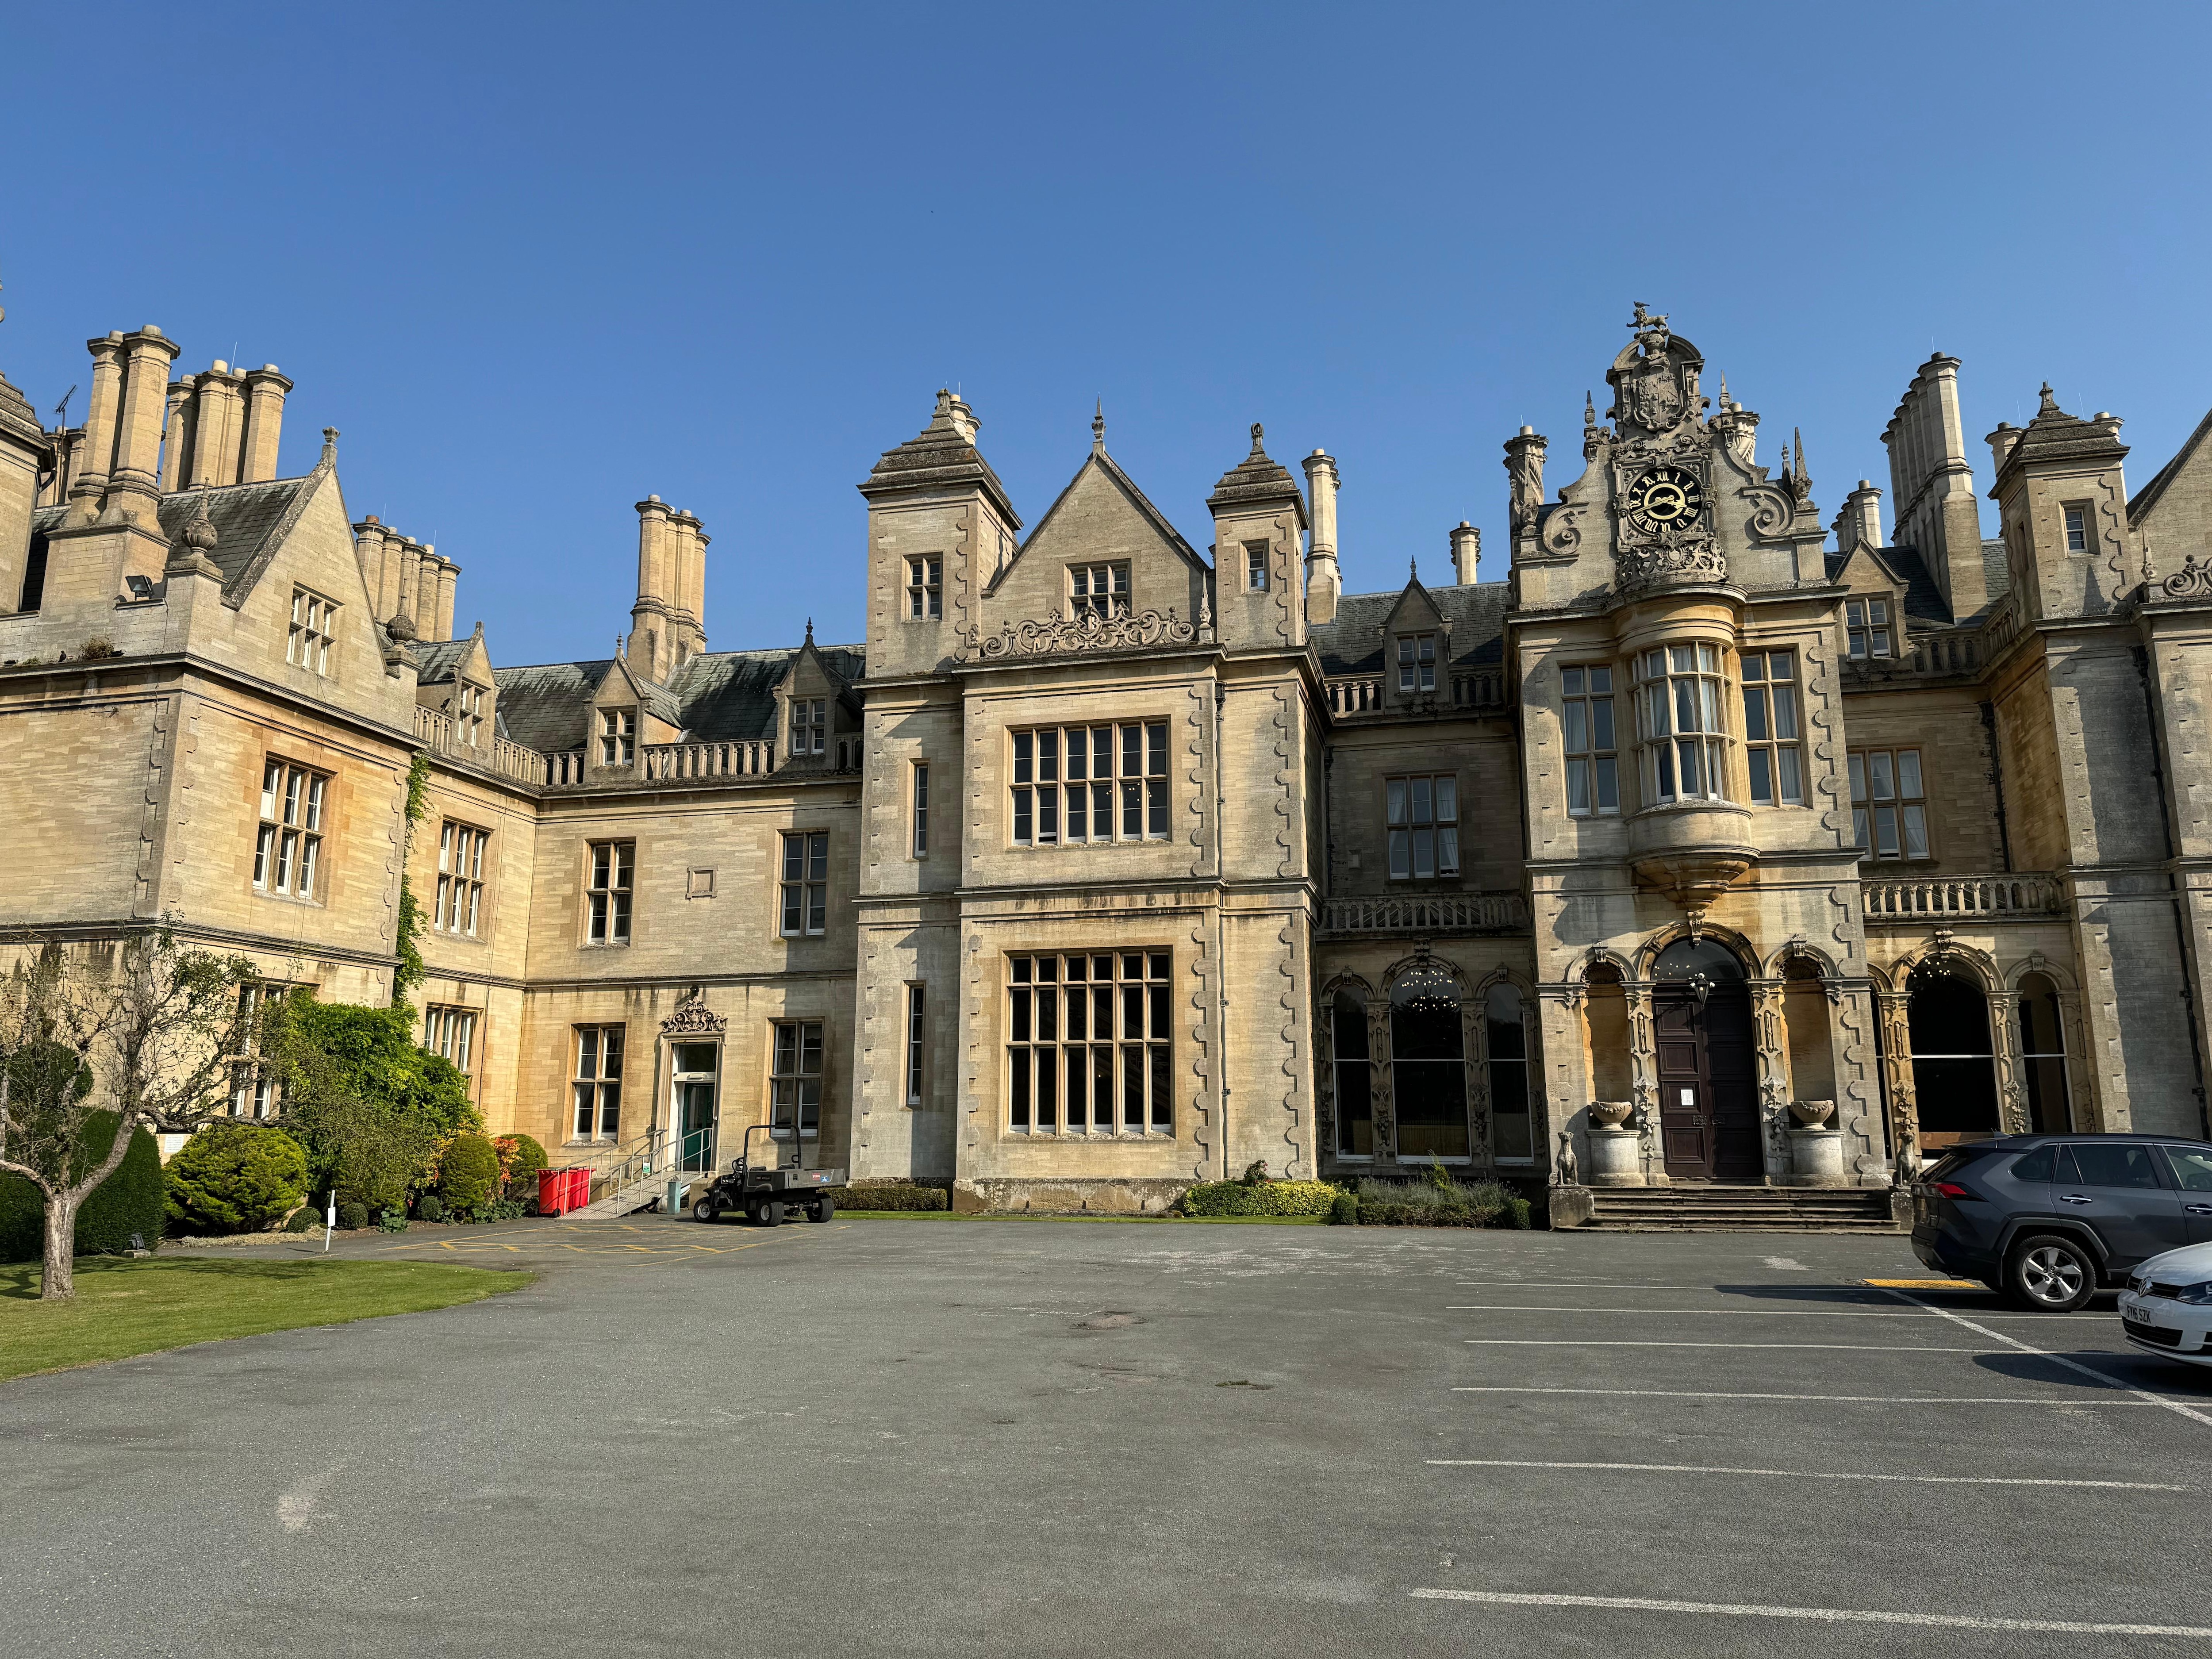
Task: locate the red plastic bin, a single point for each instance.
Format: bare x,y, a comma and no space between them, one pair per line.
559,1191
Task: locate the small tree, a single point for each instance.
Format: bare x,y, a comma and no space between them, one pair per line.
153,1023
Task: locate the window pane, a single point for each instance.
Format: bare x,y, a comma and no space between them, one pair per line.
1885,831
1447,800
1423,808
1394,797
1792,785
1785,712
1578,728
1425,854
1601,679
1402,854
1570,682
1579,794
1609,784
1601,722
1762,788
1908,774
1754,713
1879,779
1858,778
1448,850
1916,832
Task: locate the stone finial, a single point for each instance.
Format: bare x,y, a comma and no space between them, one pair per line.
2050,404
809,630
1258,433
199,533
329,447
1589,411
1098,426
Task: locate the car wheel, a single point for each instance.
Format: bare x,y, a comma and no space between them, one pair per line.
824,1210
704,1210
2050,1273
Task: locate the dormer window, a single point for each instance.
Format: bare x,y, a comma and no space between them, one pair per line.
1868,623
1417,662
810,726
925,589
617,737
469,713
1255,567
314,622
1097,590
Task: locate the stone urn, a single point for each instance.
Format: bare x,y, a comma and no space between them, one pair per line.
1812,1114
1610,1113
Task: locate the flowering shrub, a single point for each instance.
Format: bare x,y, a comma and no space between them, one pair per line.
1257,1197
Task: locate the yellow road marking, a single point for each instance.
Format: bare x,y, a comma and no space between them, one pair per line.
1923,1284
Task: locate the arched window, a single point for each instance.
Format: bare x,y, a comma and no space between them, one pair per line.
1428,1071
1953,1077
1511,1139
1355,1103
2043,1057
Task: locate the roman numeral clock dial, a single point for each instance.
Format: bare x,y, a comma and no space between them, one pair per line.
1665,498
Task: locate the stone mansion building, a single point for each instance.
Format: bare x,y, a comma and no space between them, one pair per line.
1710,839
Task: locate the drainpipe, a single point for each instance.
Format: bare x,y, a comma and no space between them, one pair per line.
1996,780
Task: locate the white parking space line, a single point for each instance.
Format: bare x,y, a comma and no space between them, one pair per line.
1823,1615
1799,1474
2110,1382
1830,1347
1738,1313
2100,1400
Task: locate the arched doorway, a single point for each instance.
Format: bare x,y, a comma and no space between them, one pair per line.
1428,1065
1707,1064
1955,1079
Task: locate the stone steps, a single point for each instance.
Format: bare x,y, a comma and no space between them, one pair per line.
1741,1209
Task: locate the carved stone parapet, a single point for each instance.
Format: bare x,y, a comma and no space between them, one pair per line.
1055,634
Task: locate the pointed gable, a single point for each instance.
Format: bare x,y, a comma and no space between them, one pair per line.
1101,518
1417,647
2174,509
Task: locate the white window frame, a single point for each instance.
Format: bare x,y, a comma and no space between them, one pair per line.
596,1081
450,1030
469,712
1866,621
313,630
1591,739
1681,709
1045,802
810,726
288,841
1417,664
803,893
1056,1004
1098,590
1889,798
924,588
1773,731
2080,526
458,908
610,877
1255,567
1421,826
617,737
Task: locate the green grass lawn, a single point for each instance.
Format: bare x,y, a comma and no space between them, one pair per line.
125,1308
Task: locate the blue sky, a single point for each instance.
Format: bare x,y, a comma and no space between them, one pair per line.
537,262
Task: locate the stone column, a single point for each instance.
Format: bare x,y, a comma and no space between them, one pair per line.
1324,583
2004,1052
1894,1011
1773,1069
1475,1060
1858,1083
1643,1077
1383,1095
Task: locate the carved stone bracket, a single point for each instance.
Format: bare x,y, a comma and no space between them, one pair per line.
1088,632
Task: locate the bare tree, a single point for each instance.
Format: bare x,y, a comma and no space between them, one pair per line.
144,1027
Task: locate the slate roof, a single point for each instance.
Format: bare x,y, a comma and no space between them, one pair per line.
20,418
1353,643
434,662
1923,599
1255,479
719,696
940,457
249,520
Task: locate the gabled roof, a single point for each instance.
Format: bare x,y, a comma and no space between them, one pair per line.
250,521
2147,497
1923,600
437,661
1256,481
1354,643
941,456
1108,467
2054,435
719,696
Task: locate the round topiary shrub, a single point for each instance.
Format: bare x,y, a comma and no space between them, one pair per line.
1344,1210
468,1175
353,1217
521,1159
429,1207
303,1219
235,1177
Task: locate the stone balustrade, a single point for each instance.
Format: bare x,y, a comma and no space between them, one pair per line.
1917,899
1444,913
1362,693
435,730
708,760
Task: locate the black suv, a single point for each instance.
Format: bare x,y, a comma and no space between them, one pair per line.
2048,1219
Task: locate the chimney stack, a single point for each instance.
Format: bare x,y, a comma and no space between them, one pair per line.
449,583
216,426
1466,552
687,566
99,415
410,562
1324,577
368,546
1525,465
176,435
1859,522
264,420
2000,442
137,469
424,608
649,619
1932,485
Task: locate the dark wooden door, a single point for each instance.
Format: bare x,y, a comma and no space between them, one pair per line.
1708,1084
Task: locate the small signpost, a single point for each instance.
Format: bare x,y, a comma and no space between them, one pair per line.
330,1219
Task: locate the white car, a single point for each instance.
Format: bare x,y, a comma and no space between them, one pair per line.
2166,1309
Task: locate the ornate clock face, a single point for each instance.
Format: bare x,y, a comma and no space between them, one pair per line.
1665,498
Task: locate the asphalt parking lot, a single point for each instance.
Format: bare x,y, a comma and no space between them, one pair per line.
908,1437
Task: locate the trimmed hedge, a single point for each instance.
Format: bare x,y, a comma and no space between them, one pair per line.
1258,1198
130,1202
895,1195
235,1178
468,1175
1439,1202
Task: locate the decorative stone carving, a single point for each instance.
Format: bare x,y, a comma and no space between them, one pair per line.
2192,581
1056,634
1812,1114
692,1017
1611,1114
1673,555
1564,1172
